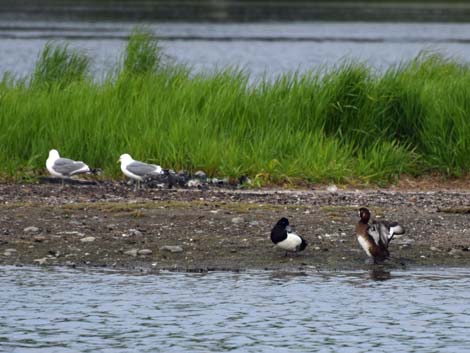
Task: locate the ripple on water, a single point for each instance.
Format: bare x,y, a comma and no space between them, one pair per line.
62,310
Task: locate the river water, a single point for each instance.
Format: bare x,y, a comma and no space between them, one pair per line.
263,49
64,310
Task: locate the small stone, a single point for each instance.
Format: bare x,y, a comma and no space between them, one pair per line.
9,252
172,248
253,223
193,183
41,261
200,175
453,252
31,229
433,248
237,220
111,226
144,252
55,253
332,188
74,232
135,232
39,238
87,239
132,252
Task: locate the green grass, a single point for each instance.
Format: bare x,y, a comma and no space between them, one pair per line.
347,125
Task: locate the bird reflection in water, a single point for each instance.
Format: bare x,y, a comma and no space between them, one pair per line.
379,275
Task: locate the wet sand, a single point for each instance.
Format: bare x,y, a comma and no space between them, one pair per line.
110,225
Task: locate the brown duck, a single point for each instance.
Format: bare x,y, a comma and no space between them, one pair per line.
374,238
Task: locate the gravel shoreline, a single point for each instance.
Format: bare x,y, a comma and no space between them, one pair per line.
110,225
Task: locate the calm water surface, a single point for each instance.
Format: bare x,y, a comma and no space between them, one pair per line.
263,49
62,310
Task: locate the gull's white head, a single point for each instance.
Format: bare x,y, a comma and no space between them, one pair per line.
54,154
125,158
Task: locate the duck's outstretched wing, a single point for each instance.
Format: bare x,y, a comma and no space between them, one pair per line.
373,231
389,229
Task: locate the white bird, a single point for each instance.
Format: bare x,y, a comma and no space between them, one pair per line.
64,167
138,170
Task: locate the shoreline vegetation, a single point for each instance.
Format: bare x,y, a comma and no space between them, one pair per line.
347,125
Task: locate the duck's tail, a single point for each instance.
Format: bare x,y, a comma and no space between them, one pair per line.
303,244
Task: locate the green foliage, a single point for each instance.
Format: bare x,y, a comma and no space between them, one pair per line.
349,124
58,65
142,55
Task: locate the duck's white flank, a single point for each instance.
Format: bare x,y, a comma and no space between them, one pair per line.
364,245
291,242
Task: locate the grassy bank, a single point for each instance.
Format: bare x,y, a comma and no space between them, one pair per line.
349,124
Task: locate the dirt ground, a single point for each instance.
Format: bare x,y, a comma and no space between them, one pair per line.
110,225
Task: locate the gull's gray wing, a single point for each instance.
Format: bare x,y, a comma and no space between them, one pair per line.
142,169
68,167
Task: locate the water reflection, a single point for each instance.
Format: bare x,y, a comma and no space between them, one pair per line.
379,275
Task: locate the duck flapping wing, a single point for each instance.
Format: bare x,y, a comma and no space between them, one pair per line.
380,233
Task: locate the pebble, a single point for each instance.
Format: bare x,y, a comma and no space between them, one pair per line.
73,232
172,248
132,252
41,261
135,232
144,252
453,252
87,239
237,220
194,183
200,175
9,252
332,188
31,229
39,238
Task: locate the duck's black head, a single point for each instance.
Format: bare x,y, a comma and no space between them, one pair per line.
364,213
283,222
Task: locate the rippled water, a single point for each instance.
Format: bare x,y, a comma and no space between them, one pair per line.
62,310
261,48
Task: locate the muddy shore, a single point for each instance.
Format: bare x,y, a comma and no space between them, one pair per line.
110,225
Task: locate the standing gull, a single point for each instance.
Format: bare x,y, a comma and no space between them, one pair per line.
64,167
138,170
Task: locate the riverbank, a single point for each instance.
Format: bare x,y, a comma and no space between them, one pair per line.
348,124
110,225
